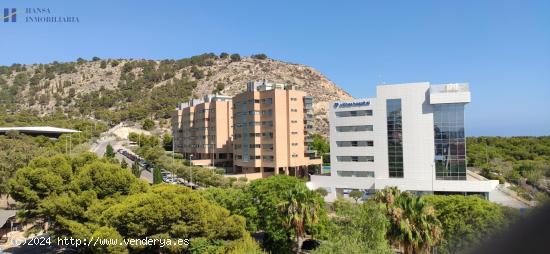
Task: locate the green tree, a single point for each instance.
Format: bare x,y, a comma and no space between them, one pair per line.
80,60
95,58
106,179
414,225
148,124
224,55
197,73
259,56
157,176
235,57
218,89
103,64
300,207
237,201
102,200
167,142
123,164
466,221
322,192
170,211
136,170
109,152
321,145
40,179
272,193
357,229
356,195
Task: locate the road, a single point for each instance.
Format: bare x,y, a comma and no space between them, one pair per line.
101,145
500,197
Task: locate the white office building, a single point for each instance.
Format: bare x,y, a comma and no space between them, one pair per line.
410,136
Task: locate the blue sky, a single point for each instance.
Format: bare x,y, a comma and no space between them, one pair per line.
502,48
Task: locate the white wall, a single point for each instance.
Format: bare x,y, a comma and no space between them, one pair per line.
418,144
417,124
351,136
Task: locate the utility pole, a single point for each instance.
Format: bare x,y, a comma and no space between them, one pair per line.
191,168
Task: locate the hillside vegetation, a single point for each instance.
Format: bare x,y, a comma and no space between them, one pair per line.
127,89
521,160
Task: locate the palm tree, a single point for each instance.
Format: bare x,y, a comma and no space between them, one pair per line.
414,225
300,208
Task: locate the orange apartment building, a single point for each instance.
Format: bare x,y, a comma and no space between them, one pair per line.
261,132
202,131
271,128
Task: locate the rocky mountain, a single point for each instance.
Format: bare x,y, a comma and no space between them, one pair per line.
127,89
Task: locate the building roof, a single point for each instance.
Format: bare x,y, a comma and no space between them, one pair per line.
38,130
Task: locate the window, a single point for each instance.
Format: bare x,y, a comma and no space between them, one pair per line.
355,158
256,101
293,99
355,173
359,143
267,101
268,158
267,146
294,144
254,123
354,113
294,121
294,155
254,146
395,138
293,110
354,128
294,133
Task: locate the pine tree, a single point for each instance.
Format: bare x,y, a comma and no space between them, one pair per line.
136,170
109,152
157,176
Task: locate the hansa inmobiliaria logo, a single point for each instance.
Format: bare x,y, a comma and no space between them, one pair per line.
36,15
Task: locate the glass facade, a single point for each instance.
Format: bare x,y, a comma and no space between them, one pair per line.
395,138
450,145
